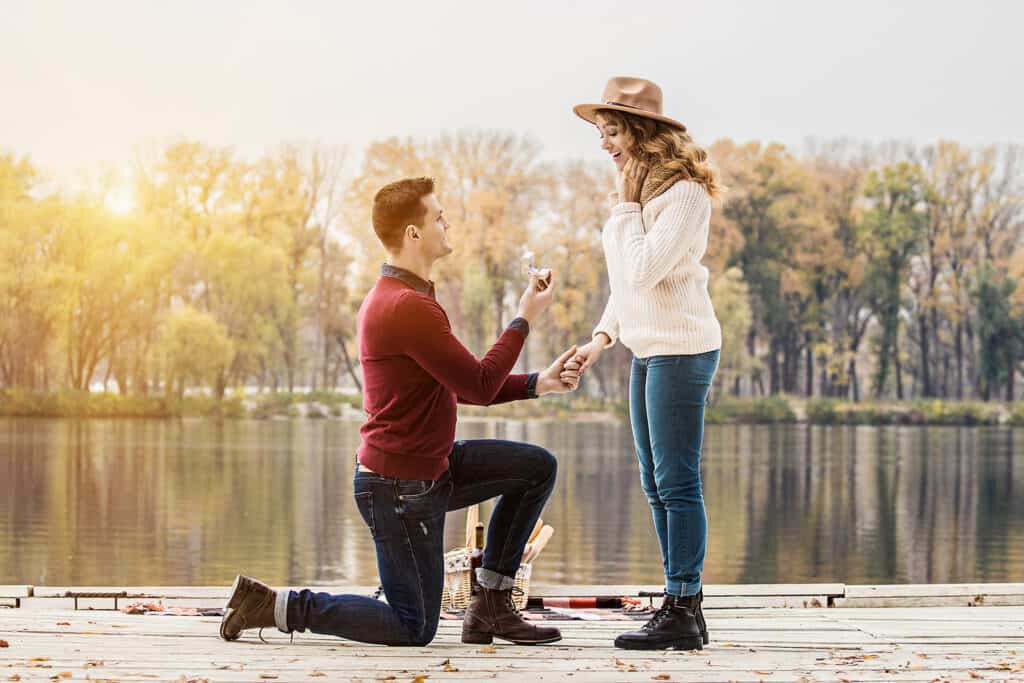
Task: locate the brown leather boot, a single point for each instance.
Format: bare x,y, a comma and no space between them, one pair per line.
251,605
491,613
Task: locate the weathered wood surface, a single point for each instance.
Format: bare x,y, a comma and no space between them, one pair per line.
716,596
906,644
539,590
932,595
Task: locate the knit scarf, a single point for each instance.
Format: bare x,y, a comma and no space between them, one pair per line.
658,180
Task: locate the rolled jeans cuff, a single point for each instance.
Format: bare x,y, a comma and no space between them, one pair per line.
682,590
493,580
281,610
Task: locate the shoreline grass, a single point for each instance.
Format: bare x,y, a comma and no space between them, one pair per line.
779,409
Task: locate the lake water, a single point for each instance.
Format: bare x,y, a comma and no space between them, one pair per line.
193,502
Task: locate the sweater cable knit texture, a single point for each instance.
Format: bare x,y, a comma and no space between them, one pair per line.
659,302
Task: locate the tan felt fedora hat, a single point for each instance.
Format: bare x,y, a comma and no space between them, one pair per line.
636,96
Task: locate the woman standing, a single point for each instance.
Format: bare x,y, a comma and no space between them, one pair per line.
660,308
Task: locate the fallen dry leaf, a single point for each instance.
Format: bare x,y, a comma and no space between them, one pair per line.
448,666
661,677
63,623
268,675
317,674
92,663
65,674
40,659
421,678
974,674
624,666
487,650
14,677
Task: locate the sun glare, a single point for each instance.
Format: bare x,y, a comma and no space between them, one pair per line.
121,202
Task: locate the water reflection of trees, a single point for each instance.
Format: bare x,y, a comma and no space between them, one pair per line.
194,502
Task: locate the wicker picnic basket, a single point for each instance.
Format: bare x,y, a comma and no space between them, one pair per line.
457,584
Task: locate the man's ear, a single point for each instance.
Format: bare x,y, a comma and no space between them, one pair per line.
412,232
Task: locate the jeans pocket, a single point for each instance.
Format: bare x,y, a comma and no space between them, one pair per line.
415,489
364,502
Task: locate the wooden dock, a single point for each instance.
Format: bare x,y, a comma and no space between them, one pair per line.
823,632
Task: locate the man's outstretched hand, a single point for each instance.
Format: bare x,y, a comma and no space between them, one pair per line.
556,379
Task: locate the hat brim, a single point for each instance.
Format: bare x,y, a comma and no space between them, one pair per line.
588,112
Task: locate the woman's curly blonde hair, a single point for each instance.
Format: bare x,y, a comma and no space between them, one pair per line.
655,144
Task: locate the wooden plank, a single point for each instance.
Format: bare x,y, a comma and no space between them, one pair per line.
933,590
932,601
734,590
15,592
134,592
740,590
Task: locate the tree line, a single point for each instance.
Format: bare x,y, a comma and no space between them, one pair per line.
847,270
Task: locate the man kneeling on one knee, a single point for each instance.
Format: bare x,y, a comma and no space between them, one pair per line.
410,470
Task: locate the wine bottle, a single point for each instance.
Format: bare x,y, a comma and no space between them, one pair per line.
476,557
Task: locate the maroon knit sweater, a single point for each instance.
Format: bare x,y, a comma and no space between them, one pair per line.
415,371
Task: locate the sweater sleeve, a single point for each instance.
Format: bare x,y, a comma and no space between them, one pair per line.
609,323
515,388
652,253
428,339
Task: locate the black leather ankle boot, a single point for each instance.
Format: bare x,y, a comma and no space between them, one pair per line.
693,603
673,626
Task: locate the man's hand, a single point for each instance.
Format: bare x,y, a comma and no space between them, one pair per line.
556,379
536,299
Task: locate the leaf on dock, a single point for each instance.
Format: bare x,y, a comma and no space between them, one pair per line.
624,666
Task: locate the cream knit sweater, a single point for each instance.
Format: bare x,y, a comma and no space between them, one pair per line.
659,303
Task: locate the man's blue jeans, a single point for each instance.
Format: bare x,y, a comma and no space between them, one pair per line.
667,395
406,520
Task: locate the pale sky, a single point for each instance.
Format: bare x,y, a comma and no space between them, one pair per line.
87,82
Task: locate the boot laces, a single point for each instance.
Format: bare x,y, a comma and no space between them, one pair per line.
514,592
659,616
